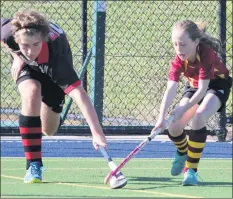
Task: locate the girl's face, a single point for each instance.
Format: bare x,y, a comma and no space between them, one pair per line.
30,46
185,47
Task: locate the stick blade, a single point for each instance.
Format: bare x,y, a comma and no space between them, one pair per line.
107,178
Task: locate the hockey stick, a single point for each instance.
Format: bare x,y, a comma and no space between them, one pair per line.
136,150
81,74
105,154
120,183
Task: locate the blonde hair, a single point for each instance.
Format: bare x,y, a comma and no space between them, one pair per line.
198,31
30,23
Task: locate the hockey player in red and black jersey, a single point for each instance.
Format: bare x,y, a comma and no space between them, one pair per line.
43,71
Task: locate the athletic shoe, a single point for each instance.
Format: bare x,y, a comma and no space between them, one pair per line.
34,173
178,164
190,178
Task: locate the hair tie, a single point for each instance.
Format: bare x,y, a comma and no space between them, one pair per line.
30,26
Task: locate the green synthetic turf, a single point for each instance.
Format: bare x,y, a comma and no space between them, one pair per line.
83,177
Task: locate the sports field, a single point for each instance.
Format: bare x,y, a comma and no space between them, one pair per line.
73,169
137,55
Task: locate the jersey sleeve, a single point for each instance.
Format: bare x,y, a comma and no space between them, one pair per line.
206,69
175,70
63,73
6,34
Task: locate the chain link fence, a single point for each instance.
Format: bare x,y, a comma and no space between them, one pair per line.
138,51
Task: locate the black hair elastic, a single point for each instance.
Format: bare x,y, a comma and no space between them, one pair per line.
30,26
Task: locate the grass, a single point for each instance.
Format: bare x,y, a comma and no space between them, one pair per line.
83,178
137,49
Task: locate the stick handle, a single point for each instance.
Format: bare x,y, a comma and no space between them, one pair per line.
108,158
158,131
105,154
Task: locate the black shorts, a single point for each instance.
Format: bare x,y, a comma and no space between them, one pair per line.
216,87
52,95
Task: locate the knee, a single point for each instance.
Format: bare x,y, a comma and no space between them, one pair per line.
199,120
48,132
30,93
175,129
50,124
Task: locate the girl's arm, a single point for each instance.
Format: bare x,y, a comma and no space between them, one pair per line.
80,97
168,97
17,64
167,100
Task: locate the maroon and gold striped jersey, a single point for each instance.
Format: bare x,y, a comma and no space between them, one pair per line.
206,66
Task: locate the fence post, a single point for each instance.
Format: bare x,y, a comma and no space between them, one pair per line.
222,17
98,49
221,130
84,39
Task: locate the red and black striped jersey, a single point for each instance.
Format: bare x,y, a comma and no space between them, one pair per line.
55,58
206,66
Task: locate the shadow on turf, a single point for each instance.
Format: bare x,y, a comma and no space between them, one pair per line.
163,182
72,182
134,180
38,196
216,184
171,182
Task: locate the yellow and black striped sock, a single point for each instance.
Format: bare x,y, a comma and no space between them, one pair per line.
181,143
196,143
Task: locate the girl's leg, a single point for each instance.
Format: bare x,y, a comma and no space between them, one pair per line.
53,98
50,120
179,138
30,126
197,138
